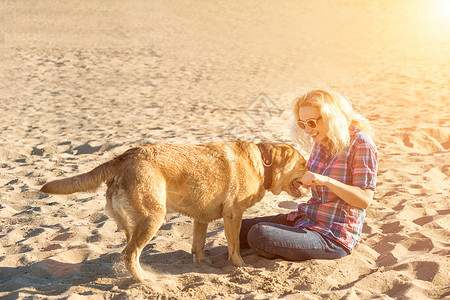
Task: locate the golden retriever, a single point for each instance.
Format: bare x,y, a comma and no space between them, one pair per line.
205,182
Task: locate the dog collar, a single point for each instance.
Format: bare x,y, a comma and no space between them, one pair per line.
267,163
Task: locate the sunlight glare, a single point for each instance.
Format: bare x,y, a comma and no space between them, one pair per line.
441,11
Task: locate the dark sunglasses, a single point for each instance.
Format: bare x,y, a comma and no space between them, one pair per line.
311,123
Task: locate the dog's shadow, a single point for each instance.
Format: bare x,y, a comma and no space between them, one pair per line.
216,258
50,277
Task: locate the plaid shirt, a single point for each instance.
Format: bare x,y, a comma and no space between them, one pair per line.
325,212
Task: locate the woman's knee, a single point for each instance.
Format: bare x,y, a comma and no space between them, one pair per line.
257,236
247,224
261,238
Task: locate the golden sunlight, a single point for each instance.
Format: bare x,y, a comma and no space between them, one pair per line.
440,11
434,17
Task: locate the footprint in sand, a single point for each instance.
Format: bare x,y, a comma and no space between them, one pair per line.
425,141
394,247
393,227
63,237
88,149
445,169
385,248
423,270
424,220
418,242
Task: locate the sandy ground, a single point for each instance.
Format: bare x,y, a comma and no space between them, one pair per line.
83,81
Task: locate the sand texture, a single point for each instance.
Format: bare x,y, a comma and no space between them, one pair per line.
83,81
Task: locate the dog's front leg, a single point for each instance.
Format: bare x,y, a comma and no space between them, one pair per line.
198,241
232,224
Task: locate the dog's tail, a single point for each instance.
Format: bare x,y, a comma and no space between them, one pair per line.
84,182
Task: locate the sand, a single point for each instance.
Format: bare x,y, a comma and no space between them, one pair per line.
83,81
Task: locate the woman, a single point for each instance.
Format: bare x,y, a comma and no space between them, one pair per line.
342,179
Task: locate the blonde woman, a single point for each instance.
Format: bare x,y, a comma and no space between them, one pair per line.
342,179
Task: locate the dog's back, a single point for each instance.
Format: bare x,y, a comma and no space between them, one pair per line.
196,175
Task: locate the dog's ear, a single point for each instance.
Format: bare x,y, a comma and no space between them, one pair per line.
280,155
286,157
281,152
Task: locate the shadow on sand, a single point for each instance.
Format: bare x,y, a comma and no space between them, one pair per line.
49,277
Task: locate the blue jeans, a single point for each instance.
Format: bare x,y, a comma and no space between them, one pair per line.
275,237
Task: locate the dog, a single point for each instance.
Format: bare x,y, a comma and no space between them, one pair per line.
205,182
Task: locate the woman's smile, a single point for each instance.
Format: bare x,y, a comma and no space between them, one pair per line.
313,123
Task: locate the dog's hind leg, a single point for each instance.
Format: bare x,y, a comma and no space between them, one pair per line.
141,234
120,220
198,240
121,223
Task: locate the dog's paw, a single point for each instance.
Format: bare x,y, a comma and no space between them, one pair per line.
237,261
198,258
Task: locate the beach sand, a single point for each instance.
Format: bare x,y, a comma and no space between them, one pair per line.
84,81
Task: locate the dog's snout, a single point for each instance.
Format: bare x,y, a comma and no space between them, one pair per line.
297,182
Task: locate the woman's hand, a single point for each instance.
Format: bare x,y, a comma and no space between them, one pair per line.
310,178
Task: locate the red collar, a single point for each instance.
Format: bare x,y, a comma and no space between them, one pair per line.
267,162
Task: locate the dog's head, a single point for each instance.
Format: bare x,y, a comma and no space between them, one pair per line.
287,167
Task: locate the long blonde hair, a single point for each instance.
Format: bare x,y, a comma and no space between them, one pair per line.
335,110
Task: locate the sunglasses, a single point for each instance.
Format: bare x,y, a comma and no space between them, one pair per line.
311,123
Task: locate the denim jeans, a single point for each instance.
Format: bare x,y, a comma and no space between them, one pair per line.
275,237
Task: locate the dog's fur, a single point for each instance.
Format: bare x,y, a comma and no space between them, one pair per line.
205,182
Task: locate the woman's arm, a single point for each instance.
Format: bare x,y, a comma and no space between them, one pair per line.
353,195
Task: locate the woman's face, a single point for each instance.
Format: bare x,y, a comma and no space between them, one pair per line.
313,123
